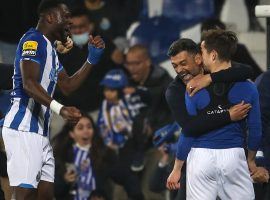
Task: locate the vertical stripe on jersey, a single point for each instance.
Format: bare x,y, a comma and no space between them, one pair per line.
12,112
28,114
47,114
34,119
46,122
20,114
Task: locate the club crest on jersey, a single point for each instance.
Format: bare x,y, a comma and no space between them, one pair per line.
29,48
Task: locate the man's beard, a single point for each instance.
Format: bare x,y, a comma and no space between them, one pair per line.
62,34
185,77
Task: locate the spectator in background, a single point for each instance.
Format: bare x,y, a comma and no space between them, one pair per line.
130,9
16,19
242,55
156,79
81,28
165,139
114,121
113,18
82,160
158,179
106,18
263,82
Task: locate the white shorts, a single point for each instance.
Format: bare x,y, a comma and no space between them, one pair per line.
218,172
29,158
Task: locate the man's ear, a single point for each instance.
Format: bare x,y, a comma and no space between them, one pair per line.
148,61
198,59
49,18
214,55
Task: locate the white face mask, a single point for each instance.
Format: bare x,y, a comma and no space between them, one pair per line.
80,39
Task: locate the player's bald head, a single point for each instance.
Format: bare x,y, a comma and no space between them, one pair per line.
139,48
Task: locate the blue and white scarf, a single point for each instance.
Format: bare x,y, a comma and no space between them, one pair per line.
86,181
115,123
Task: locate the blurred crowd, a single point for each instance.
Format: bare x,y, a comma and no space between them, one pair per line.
123,99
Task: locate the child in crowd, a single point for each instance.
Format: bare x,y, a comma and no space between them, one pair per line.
115,120
115,123
81,160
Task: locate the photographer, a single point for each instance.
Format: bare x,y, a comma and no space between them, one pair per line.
165,139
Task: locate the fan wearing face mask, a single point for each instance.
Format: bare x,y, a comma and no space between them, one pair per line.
81,28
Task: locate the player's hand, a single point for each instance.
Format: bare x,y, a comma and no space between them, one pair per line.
129,90
261,175
70,176
197,83
70,114
252,167
112,146
64,48
239,111
173,181
96,42
95,49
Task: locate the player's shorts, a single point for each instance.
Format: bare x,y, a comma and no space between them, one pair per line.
29,158
218,172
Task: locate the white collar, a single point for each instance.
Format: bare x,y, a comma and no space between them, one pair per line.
84,148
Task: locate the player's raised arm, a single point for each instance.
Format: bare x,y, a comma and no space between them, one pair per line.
95,49
30,77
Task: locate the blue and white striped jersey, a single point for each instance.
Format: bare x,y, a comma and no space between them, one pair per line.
25,114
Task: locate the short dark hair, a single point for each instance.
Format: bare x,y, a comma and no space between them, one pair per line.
223,42
79,12
210,24
183,44
47,5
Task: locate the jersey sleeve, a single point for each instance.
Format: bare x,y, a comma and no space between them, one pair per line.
33,48
254,122
183,146
191,104
238,72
